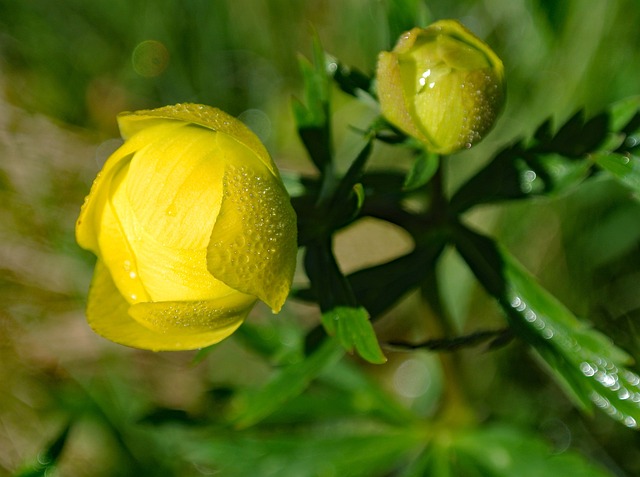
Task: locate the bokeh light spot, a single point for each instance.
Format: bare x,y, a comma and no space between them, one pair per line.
412,379
150,58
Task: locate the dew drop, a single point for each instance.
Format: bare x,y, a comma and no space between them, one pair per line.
587,369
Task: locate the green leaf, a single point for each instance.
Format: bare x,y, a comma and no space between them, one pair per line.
352,328
347,187
403,15
575,138
517,173
625,168
252,406
584,361
312,116
349,80
340,392
549,164
422,170
501,179
503,451
498,451
623,112
341,314
329,450
330,287
350,379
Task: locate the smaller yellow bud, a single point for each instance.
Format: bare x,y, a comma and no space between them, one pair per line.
442,85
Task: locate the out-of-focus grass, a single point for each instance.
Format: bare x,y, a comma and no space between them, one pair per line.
66,69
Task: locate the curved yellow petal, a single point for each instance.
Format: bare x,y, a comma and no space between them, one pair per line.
254,241
108,315
91,210
167,205
393,101
206,116
216,318
115,250
90,213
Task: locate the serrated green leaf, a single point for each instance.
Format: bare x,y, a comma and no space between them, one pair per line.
582,359
517,173
252,406
551,174
423,169
501,179
352,328
576,137
625,168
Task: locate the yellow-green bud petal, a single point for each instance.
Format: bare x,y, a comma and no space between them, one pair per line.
442,85
191,225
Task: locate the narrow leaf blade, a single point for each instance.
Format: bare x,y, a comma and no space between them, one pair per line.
624,167
253,406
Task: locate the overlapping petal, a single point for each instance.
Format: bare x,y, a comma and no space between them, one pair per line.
255,236
177,325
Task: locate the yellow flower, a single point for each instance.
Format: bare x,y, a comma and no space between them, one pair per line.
191,225
442,85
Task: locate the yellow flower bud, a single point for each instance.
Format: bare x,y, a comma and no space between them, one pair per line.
441,85
191,225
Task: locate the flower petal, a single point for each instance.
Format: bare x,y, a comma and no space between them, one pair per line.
202,115
90,213
200,324
254,241
167,205
216,318
115,249
396,106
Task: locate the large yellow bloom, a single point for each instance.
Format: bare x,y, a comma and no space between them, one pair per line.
442,85
191,224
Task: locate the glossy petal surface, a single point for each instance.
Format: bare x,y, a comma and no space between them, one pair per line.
194,325
254,239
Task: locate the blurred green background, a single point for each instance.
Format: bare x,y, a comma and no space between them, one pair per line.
68,67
